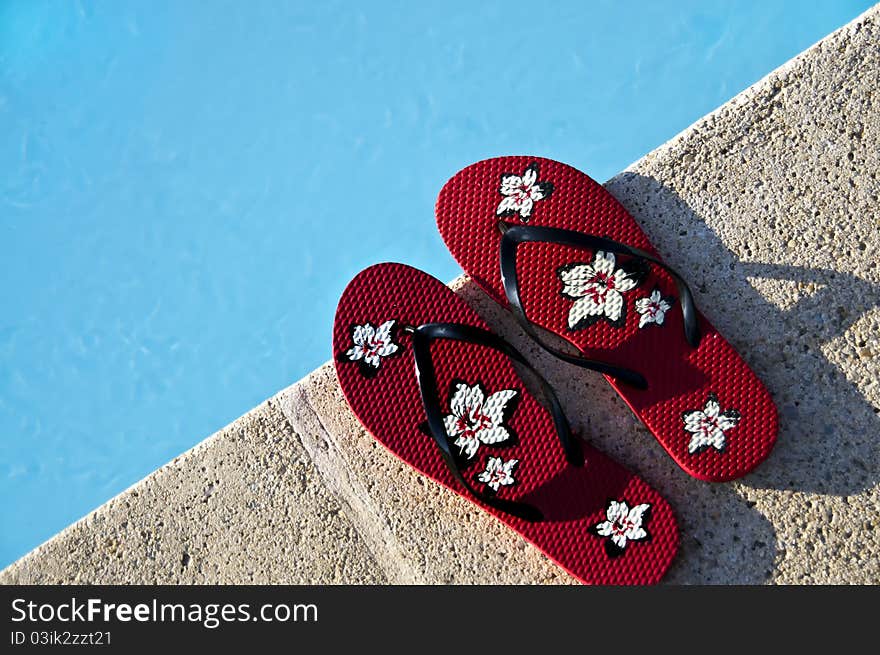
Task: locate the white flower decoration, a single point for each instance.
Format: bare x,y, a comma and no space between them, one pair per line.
709,425
498,473
476,419
522,192
597,289
621,526
653,308
371,344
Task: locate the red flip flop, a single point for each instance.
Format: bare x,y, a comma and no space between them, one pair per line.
424,375
554,246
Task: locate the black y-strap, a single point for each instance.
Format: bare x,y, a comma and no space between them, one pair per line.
422,336
517,234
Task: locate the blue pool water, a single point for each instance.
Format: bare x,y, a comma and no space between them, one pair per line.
187,187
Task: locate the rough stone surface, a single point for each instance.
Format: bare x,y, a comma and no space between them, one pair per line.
769,206
245,506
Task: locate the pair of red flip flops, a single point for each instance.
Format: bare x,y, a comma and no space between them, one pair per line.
429,380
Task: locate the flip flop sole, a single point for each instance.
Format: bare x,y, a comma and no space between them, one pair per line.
704,405
601,523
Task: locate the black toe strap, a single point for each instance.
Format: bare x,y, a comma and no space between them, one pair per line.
422,336
517,234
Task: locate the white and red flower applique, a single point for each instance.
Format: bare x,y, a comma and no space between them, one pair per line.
653,308
597,289
477,419
521,192
498,473
708,426
371,346
622,525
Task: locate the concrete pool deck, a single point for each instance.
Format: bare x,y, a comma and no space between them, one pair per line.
770,206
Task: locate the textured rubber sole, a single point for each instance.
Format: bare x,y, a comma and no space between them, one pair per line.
601,522
704,405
